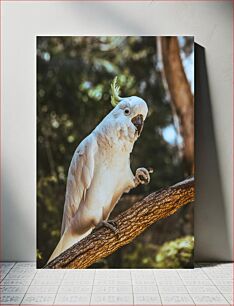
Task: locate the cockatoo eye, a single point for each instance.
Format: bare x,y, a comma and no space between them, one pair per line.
127,111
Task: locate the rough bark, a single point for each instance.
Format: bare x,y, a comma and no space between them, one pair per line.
130,223
181,95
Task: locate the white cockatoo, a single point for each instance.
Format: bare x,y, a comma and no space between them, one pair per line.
100,171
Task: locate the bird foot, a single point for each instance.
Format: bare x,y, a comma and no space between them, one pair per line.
143,176
109,224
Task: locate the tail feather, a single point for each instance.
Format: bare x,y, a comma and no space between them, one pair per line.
66,241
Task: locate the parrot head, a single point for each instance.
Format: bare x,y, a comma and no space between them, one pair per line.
131,111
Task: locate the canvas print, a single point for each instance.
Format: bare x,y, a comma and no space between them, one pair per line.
115,152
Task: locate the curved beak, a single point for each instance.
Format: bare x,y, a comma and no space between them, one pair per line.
139,123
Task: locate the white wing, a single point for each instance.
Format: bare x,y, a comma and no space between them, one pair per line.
80,175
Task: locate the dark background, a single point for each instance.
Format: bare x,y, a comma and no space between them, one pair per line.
73,95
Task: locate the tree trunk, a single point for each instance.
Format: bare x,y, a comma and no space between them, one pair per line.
130,224
181,95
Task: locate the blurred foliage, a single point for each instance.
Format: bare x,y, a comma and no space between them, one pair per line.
142,256
73,95
173,254
176,254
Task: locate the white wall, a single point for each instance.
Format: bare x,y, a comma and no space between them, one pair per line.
211,24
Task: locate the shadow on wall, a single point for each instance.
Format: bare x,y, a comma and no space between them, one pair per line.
211,232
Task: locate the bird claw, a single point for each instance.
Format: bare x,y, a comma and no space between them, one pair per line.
109,224
143,175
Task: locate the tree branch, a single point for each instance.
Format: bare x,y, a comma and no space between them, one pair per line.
130,223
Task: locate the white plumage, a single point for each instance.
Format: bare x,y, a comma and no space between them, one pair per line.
100,172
